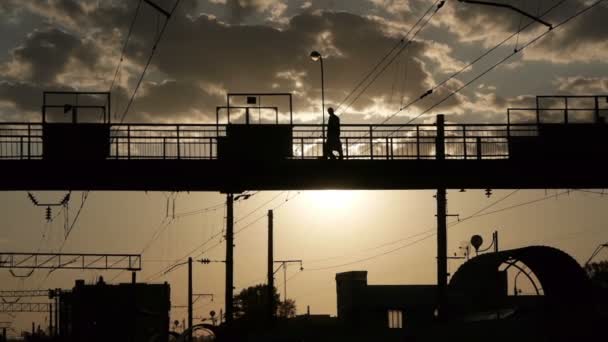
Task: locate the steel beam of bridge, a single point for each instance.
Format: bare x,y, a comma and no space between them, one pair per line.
24,293
129,262
25,307
236,176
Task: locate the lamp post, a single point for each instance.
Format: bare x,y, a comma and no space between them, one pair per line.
316,56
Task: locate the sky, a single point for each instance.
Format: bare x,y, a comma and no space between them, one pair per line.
217,46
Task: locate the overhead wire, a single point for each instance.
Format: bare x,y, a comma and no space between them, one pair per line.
467,66
383,59
164,225
495,65
431,233
247,226
126,42
148,62
437,5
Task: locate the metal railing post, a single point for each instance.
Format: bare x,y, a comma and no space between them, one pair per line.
597,109
387,149
417,142
29,141
347,145
464,140
566,111
371,143
129,142
178,149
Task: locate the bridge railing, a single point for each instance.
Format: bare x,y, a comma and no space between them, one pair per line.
20,141
193,141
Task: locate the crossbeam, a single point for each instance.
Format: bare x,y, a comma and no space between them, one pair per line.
127,262
24,293
25,307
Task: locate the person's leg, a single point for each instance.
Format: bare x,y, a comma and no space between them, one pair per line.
340,150
331,154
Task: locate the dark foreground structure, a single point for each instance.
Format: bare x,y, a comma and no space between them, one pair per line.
123,312
534,293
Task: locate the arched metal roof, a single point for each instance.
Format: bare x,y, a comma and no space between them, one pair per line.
560,276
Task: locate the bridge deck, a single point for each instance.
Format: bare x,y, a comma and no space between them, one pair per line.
561,148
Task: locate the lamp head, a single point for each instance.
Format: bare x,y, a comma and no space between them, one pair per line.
315,56
476,241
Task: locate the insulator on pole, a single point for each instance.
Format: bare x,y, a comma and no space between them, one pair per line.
49,214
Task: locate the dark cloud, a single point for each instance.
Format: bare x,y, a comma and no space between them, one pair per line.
200,57
47,52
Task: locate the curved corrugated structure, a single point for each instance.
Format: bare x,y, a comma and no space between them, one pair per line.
480,283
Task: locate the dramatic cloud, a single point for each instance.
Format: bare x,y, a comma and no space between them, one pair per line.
263,45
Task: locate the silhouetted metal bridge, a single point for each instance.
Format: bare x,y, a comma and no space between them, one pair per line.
559,145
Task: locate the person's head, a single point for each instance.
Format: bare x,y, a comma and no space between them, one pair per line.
330,110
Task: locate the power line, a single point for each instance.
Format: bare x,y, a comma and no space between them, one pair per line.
432,233
437,7
157,274
124,47
495,65
464,68
201,211
381,61
147,65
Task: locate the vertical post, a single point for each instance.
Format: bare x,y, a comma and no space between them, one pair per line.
271,303
464,140
134,292
566,110
495,242
33,328
285,281
417,142
57,294
290,110
371,143
190,298
442,265
129,142
597,109
229,257
537,111
51,319
29,137
323,97
178,149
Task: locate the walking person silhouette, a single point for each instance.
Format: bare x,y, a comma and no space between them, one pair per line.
333,144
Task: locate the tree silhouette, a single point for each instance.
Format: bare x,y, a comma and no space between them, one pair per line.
251,303
598,273
287,309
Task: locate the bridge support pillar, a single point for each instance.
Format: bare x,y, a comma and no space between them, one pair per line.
442,238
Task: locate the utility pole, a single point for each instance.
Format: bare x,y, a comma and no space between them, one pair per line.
271,304
134,307
57,303
229,257
51,319
283,264
442,234
190,298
